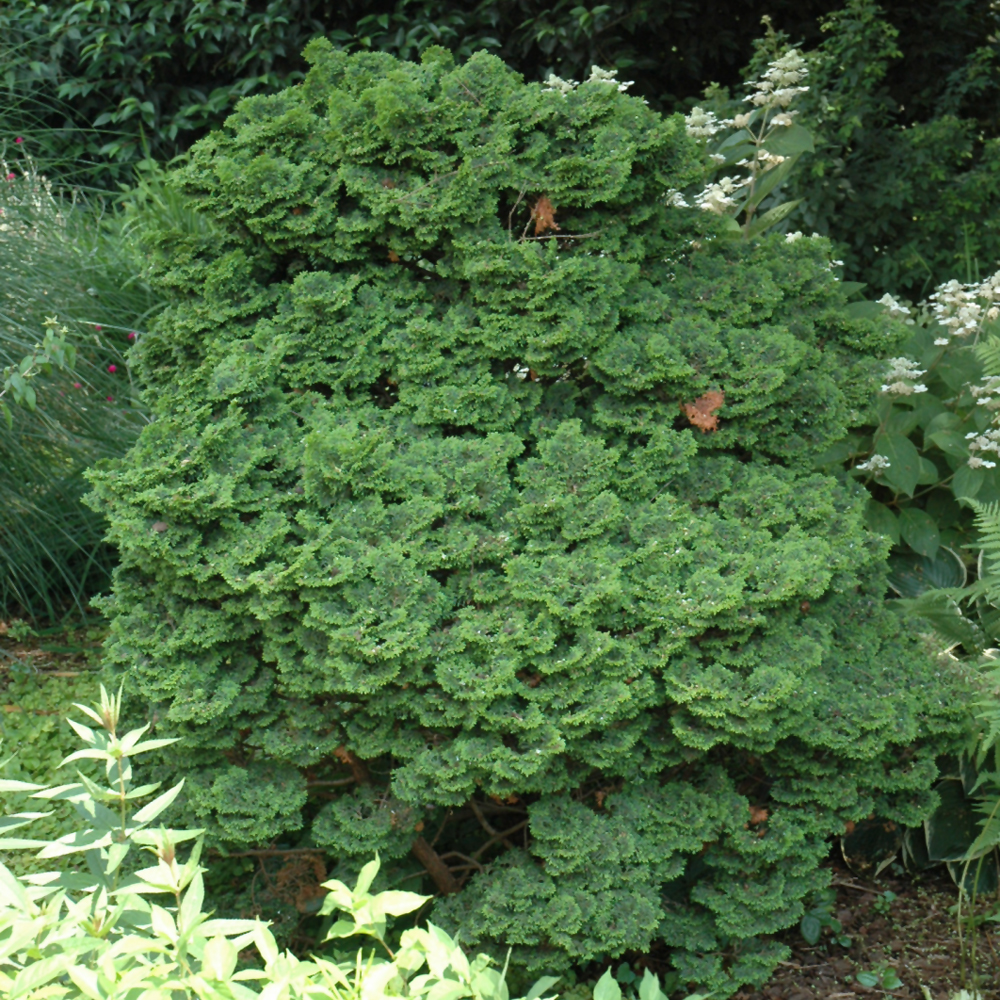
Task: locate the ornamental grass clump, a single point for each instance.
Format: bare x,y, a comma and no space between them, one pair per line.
477,523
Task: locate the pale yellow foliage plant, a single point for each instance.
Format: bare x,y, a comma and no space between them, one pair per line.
92,932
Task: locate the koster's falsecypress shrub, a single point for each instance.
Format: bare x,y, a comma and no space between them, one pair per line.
482,476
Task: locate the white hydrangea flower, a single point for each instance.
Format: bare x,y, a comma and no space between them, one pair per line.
874,464
769,160
983,442
718,197
990,387
957,308
901,378
676,200
893,307
903,368
598,75
903,388
779,85
702,124
792,237
557,84
980,463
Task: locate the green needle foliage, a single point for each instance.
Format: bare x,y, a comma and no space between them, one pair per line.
479,498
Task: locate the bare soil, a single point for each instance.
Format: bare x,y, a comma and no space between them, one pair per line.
916,935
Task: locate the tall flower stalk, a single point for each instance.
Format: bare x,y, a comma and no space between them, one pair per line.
762,144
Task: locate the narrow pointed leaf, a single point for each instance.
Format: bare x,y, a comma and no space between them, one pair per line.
153,809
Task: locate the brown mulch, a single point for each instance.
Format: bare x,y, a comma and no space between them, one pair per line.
915,935
54,653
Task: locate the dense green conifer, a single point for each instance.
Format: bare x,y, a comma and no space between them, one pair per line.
483,475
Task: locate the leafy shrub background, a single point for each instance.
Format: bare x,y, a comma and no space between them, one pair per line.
904,95
420,511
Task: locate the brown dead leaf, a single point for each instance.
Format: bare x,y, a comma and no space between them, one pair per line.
757,815
544,214
393,256
849,827
298,882
701,413
160,526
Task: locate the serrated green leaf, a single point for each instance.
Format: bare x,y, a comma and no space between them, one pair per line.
919,531
882,520
767,183
967,482
951,442
904,461
772,217
862,310
790,140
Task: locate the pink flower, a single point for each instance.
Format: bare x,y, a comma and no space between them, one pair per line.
76,385
98,327
11,177
111,399
112,368
18,140
132,335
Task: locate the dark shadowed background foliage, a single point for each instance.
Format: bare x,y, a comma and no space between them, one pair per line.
159,73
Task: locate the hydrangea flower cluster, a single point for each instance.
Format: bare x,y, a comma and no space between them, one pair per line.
902,377
776,89
963,308
555,83
985,441
704,124
896,309
874,464
718,196
779,85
